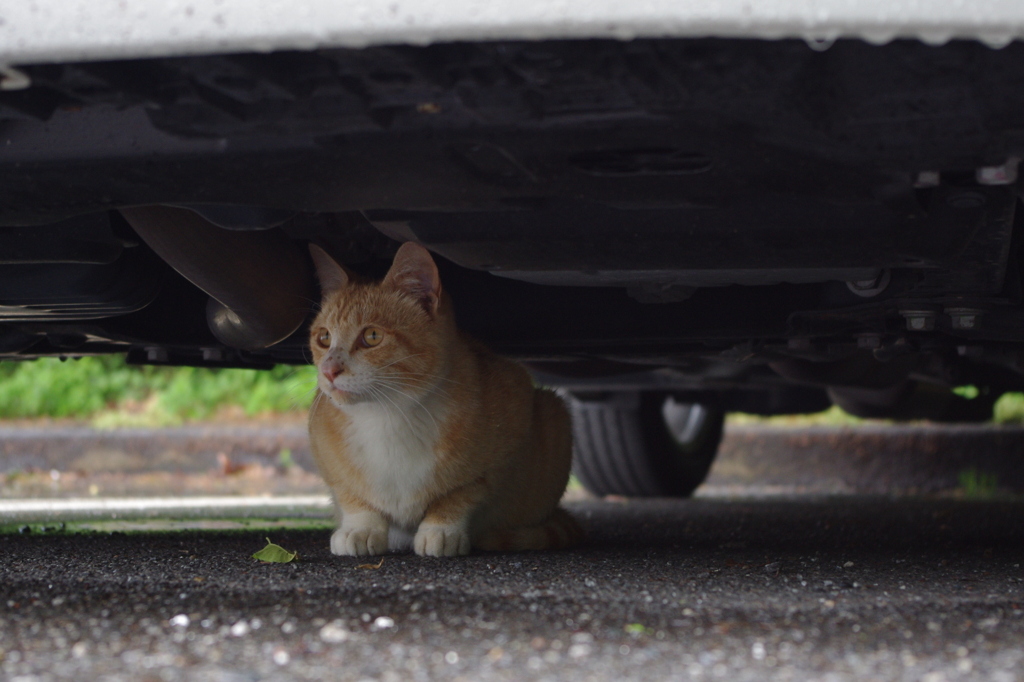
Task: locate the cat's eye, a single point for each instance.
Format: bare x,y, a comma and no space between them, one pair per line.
371,337
323,339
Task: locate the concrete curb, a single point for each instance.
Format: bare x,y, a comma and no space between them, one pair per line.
872,459
49,510
863,459
189,449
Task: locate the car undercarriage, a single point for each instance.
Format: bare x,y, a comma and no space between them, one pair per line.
766,226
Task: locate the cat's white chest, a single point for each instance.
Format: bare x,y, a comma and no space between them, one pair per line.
396,454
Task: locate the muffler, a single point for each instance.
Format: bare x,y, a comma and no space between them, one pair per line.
260,282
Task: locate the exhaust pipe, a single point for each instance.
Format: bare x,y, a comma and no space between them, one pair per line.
260,283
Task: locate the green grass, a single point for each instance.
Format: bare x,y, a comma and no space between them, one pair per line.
833,416
1009,409
109,393
978,485
112,393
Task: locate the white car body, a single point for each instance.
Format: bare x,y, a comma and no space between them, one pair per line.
36,31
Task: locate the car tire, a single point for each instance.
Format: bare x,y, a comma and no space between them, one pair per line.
643,444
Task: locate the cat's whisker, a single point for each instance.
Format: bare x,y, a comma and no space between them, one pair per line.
391,382
421,405
398,361
428,375
431,389
397,406
401,380
415,375
377,393
424,377
299,389
313,302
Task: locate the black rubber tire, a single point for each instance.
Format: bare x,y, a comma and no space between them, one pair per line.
643,444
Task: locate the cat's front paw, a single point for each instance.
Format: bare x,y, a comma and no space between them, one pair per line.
441,540
359,542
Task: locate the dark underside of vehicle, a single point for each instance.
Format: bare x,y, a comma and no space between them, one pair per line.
759,225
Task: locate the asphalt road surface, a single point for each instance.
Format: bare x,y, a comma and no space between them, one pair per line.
845,588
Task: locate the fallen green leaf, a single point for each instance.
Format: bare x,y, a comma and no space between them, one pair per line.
635,629
275,554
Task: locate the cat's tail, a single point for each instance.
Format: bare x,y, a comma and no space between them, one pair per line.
558,531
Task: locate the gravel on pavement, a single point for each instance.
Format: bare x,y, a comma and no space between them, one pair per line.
839,588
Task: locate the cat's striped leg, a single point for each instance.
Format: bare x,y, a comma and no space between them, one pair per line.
444,530
558,531
361,531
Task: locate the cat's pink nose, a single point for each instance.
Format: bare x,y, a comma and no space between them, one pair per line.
332,369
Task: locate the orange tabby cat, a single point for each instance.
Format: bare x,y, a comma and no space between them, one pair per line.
426,438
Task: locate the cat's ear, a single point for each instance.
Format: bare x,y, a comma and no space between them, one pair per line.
331,275
415,273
